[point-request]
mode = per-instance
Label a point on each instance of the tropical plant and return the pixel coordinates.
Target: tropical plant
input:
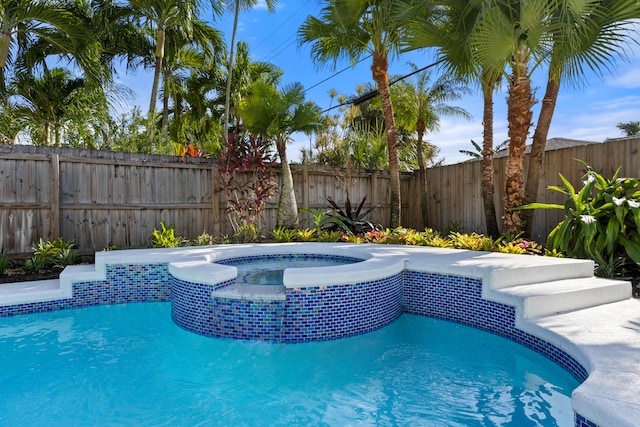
(56, 253)
(351, 220)
(307, 234)
(602, 220)
(319, 218)
(329, 236)
(5, 263)
(246, 179)
(236, 6)
(451, 30)
(473, 241)
(166, 237)
(52, 29)
(275, 115)
(65, 257)
(48, 102)
(190, 150)
(629, 128)
(167, 18)
(284, 235)
(418, 107)
(591, 33)
(353, 29)
(247, 233)
(204, 239)
(477, 149)
(34, 264)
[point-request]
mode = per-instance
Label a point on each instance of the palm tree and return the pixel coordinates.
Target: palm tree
(351, 29)
(450, 29)
(46, 102)
(165, 17)
(590, 33)
(509, 39)
(237, 6)
(419, 105)
(275, 115)
(245, 74)
(25, 22)
(629, 128)
(202, 51)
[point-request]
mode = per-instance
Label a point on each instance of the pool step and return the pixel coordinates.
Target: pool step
(562, 296)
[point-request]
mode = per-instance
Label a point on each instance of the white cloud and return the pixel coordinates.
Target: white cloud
(630, 79)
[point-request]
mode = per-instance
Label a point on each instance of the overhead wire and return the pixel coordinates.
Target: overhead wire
(370, 95)
(282, 24)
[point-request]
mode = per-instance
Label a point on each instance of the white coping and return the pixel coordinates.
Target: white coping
(605, 338)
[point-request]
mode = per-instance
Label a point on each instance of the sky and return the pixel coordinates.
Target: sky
(586, 112)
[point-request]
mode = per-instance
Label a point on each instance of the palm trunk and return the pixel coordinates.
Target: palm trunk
(487, 185)
(536, 159)
(422, 175)
(381, 77)
(5, 42)
(47, 134)
(519, 103)
(165, 106)
(156, 72)
(227, 96)
(287, 205)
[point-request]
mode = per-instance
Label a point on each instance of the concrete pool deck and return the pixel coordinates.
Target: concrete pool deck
(558, 300)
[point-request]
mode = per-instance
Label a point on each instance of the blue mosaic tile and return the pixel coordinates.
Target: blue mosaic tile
(458, 299)
(581, 421)
(123, 284)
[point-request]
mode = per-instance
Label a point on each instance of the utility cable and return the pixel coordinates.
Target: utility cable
(336, 73)
(285, 22)
(370, 95)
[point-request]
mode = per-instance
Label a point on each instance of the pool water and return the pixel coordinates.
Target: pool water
(269, 269)
(130, 365)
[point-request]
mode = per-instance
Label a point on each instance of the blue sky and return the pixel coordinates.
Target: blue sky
(589, 112)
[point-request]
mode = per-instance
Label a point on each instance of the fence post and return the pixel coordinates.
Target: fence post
(54, 221)
(215, 200)
(305, 187)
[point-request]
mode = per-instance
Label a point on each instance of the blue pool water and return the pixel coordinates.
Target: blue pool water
(130, 365)
(269, 269)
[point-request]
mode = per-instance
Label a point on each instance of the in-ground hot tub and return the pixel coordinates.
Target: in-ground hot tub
(269, 269)
(358, 294)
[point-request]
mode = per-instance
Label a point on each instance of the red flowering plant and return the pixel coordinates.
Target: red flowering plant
(248, 182)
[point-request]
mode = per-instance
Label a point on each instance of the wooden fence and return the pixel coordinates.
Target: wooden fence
(455, 196)
(100, 198)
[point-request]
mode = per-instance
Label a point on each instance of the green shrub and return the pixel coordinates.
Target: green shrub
(351, 220)
(602, 221)
(56, 253)
(5, 263)
(307, 235)
(205, 239)
(35, 264)
(65, 257)
(284, 235)
(329, 236)
(166, 237)
(247, 233)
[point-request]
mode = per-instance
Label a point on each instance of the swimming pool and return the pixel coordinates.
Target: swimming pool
(130, 365)
(552, 306)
